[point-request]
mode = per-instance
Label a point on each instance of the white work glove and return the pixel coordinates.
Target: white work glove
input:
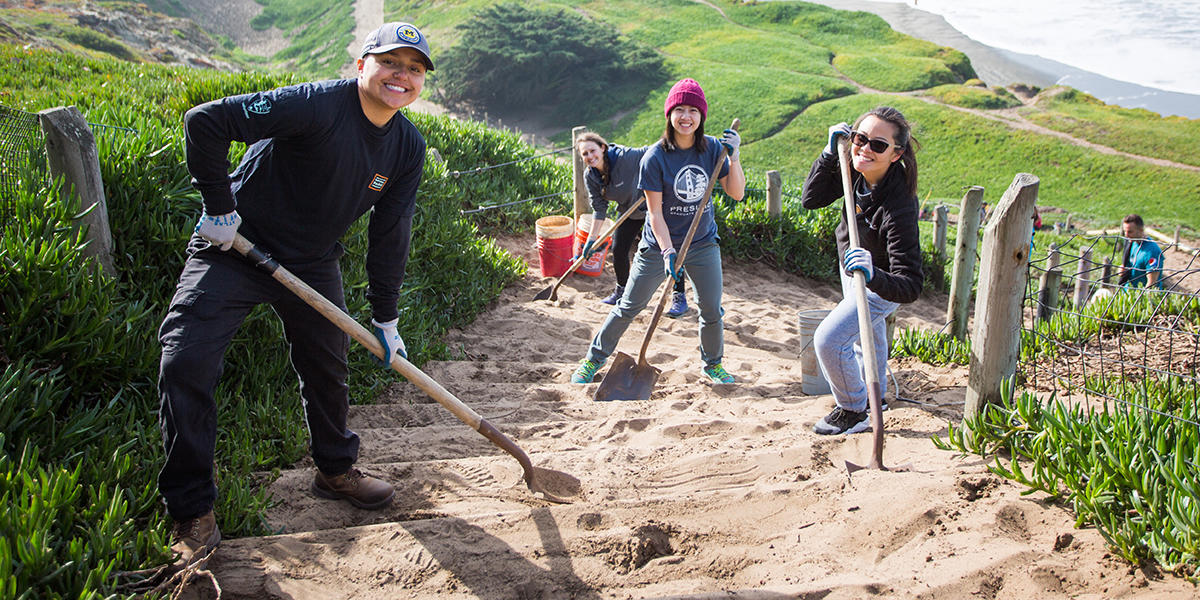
(390, 339)
(835, 132)
(859, 259)
(219, 229)
(732, 140)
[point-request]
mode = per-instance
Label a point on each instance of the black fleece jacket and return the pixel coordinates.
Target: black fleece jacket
(887, 225)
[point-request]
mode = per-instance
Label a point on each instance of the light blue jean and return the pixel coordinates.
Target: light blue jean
(839, 352)
(703, 267)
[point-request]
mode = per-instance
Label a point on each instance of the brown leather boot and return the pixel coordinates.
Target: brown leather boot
(355, 487)
(194, 539)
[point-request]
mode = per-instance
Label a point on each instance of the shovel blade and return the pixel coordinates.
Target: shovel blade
(554, 486)
(627, 380)
(547, 294)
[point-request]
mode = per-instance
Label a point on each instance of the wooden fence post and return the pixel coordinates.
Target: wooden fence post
(1082, 283)
(995, 341)
(577, 170)
(963, 275)
(71, 154)
(774, 194)
(940, 224)
(1048, 291)
(1054, 258)
(1106, 273)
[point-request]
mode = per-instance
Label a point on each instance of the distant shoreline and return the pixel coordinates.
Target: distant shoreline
(996, 66)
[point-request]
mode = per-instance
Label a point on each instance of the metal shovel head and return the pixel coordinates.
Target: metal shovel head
(546, 294)
(554, 486)
(851, 467)
(627, 380)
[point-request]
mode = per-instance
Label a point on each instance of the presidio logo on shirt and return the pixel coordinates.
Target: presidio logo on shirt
(378, 182)
(690, 183)
(261, 106)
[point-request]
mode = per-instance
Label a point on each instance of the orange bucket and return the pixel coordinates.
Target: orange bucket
(554, 245)
(593, 266)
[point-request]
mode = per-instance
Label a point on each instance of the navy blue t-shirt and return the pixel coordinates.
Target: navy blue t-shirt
(315, 165)
(682, 176)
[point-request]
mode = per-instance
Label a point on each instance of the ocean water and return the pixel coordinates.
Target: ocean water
(1151, 43)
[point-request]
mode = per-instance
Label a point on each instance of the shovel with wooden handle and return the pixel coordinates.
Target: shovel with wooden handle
(554, 486)
(551, 293)
(865, 338)
(628, 379)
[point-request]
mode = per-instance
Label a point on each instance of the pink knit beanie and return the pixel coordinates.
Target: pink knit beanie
(688, 92)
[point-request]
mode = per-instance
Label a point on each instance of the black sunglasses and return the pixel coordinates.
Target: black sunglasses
(877, 146)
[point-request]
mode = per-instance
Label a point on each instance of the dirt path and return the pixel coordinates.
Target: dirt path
(704, 491)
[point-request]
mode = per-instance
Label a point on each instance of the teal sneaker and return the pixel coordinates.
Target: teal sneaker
(718, 374)
(586, 371)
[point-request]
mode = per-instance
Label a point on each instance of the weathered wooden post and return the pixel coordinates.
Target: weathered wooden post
(1107, 271)
(71, 154)
(1082, 285)
(774, 194)
(940, 223)
(1054, 258)
(963, 275)
(577, 170)
(1067, 222)
(1003, 264)
(1048, 288)
(1177, 235)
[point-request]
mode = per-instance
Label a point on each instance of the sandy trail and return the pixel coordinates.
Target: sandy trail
(704, 491)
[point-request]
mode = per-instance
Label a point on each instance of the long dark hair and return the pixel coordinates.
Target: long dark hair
(904, 139)
(668, 137)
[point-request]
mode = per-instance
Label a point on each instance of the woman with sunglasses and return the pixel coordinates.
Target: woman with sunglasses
(674, 176)
(884, 177)
(611, 176)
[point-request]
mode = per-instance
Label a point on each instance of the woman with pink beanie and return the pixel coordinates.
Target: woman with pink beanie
(674, 176)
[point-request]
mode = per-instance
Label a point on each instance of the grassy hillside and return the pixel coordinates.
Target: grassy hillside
(790, 69)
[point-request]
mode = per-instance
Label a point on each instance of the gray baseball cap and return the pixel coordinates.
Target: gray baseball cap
(390, 36)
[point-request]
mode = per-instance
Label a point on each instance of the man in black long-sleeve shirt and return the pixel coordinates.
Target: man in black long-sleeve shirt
(321, 155)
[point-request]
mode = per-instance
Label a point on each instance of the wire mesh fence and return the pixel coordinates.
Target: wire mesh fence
(1092, 338)
(21, 152)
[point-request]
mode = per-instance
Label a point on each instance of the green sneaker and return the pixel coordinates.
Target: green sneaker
(718, 374)
(586, 371)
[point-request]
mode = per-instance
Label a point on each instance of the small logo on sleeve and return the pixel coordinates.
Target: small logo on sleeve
(261, 106)
(378, 182)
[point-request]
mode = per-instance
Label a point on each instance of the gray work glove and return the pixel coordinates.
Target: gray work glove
(219, 229)
(835, 132)
(389, 338)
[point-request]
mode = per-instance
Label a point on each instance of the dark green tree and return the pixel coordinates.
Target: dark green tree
(521, 61)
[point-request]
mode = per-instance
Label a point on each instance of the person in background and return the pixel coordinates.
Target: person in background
(675, 173)
(884, 178)
(321, 155)
(1142, 263)
(611, 177)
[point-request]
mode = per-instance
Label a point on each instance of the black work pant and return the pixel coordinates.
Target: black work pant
(625, 239)
(216, 291)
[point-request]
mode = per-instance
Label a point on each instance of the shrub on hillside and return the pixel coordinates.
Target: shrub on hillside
(521, 60)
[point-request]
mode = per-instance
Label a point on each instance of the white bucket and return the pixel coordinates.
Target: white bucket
(813, 382)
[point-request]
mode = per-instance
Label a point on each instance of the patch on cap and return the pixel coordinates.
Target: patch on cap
(408, 33)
